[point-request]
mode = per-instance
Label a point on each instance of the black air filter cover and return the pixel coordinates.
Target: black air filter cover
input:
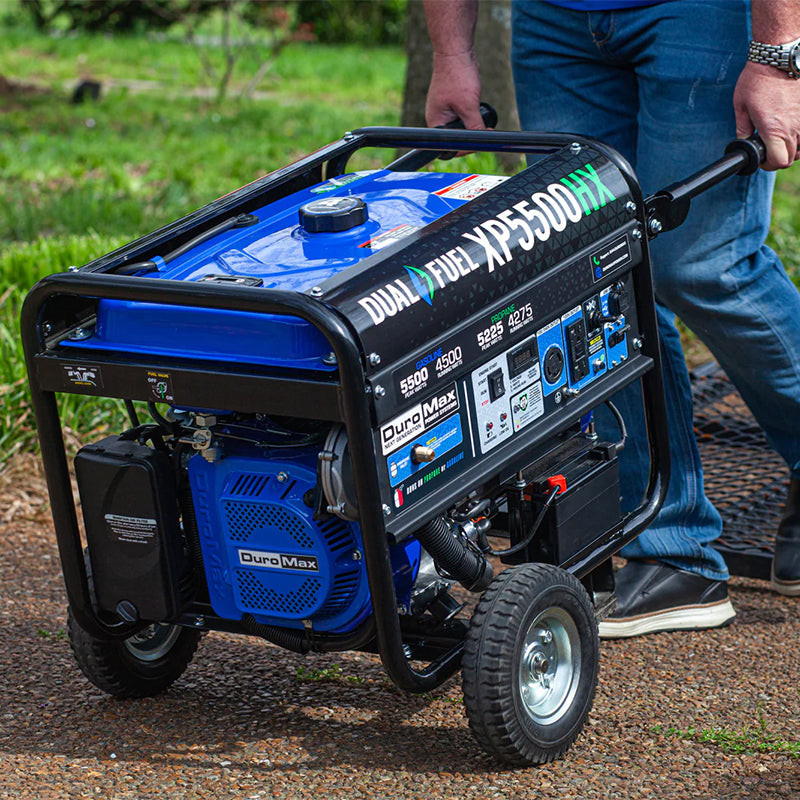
(136, 547)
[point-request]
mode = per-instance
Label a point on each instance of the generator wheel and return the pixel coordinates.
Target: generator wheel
(143, 665)
(530, 664)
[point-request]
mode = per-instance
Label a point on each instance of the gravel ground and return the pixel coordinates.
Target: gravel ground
(245, 722)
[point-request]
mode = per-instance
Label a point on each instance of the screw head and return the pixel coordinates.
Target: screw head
(47, 328)
(636, 233)
(282, 477)
(374, 359)
(558, 397)
(72, 268)
(387, 511)
(630, 207)
(315, 291)
(654, 226)
(637, 343)
(329, 359)
(79, 334)
(380, 391)
(575, 148)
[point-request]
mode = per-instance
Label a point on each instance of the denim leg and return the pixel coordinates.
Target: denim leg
(657, 84)
(715, 271)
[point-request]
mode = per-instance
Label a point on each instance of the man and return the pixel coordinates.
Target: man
(668, 83)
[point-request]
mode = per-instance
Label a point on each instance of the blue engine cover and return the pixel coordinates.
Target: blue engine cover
(265, 556)
(281, 254)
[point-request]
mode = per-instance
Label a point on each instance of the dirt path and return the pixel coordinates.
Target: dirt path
(250, 721)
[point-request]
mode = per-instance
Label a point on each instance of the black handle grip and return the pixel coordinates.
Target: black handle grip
(416, 159)
(752, 148)
(488, 114)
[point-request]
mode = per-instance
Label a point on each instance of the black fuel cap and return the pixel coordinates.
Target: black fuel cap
(331, 214)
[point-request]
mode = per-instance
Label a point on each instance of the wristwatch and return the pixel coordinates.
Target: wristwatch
(786, 57)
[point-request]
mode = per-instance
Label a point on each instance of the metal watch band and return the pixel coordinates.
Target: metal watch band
(774, 55)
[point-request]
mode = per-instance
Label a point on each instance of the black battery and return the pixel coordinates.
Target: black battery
(579, 514)
(139, 561)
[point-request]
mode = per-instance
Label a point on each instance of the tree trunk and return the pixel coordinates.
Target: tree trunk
(492, 46)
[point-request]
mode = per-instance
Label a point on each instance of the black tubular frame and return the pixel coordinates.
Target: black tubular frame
(352, 391)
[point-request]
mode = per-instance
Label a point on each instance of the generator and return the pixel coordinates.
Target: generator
(369, 398)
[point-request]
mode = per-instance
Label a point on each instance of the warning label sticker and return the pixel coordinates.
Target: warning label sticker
(471, 186)
(137, 530)
(390, 237)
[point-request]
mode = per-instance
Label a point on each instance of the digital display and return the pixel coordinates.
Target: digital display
(521, 359)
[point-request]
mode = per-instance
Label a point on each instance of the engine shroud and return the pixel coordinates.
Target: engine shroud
(265, 555)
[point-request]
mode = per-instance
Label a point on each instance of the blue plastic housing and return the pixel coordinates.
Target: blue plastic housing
(284, 256)
(264, 555)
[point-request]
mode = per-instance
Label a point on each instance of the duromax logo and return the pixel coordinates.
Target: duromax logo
(494, 242)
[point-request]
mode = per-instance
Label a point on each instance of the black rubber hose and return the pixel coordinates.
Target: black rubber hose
(469, 567)
(296, 641)
(186, 504)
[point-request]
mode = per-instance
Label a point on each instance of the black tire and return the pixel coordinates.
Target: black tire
(530, 664)
(142, 666)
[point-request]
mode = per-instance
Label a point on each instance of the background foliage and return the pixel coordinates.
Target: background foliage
(78, 180)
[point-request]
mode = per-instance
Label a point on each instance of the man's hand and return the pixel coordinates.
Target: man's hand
(768, 101)
(455, 91)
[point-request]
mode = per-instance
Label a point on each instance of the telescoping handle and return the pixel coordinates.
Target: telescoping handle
(416, 159)
(667, 208)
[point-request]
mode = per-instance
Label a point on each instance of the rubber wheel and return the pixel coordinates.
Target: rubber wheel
(144, 665)
(530, 664)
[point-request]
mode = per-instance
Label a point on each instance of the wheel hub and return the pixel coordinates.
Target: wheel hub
(153, 642)
(550, 666)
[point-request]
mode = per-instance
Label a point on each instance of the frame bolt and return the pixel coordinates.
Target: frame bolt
(654, 226)
(79, 334)
(387, 511)
(575, 148)
(315, 291)
(637, 343)
(380, 391)
(630, 207)
(72, 268)
(374, 359)
(636, 233)
(199, 622)
(329, 359)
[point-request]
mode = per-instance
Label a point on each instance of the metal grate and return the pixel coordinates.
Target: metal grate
(744, 477)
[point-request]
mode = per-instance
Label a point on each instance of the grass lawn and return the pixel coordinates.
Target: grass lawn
(79, 180)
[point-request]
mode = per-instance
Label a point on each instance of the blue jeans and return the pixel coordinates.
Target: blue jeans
(657, 83)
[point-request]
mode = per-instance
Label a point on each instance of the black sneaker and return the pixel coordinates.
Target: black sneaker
(786, 559)
(653, 597)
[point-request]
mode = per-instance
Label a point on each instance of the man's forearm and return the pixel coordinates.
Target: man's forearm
(451, 25)
(775, 21)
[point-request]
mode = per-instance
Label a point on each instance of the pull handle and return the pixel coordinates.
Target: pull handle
(667, 208)
(416, 159)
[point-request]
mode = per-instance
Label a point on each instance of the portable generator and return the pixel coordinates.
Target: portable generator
(358, 383)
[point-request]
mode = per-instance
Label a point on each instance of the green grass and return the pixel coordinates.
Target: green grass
(749, 740)
(77, 181)
(332, 674)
